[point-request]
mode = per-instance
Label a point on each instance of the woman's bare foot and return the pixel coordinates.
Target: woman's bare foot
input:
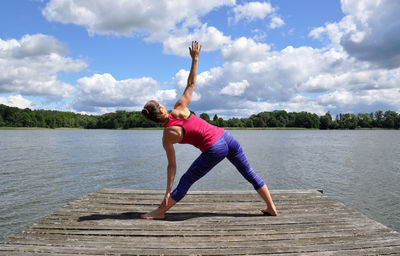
(270, 212)
(157, 214)
(264, 193)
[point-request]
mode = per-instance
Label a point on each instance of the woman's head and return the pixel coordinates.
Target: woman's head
(154, 111)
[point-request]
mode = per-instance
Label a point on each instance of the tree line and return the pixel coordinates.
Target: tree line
(16, 117)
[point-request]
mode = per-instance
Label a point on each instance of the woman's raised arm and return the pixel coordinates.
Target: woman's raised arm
(186, 98)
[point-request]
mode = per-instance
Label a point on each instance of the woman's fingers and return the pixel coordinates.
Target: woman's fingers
(195, 46)
(195, 49)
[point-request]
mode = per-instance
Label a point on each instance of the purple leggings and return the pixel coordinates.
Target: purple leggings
(225, 146)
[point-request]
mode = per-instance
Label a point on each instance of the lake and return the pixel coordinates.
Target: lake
(41, 170)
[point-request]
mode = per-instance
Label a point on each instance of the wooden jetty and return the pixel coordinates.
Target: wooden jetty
(204, 223)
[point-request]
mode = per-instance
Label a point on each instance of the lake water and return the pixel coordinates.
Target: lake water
(41, 170)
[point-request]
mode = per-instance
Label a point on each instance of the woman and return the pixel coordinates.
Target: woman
(180, 126)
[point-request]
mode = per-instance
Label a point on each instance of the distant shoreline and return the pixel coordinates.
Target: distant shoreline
(266, 120)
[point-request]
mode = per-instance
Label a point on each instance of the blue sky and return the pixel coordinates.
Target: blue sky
(98, 56)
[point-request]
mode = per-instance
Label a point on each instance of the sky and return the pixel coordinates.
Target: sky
(99, 56)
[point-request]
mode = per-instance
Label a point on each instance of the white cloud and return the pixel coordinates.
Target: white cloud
(235, 88)
(301, 103)
(276, 75)
(102, 92)
(32, 45)
(30, 66)
(210, 38)
(356, 80)
(336, 97)
(245, 50)
(174, 23)
(181, 77)
(369, 31)
(292, 79)
(128, 17)
(276, 22)
(17, 101)
(365, 101)
(257, 10)
(252, 10)
(259, 35)
(203, 79)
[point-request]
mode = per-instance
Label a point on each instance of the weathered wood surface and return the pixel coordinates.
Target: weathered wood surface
(204, 223)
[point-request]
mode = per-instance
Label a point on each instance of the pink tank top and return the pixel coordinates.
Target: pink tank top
(197, 131)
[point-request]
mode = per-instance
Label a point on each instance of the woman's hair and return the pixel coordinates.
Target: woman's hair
(152, 111)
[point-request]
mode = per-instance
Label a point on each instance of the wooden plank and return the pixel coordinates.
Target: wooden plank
(205, 222)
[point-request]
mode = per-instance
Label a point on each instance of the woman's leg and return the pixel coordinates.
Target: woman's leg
(238, 158)
(266, 196)
(200, 167)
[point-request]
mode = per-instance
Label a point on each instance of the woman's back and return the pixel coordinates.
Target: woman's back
(197, 131)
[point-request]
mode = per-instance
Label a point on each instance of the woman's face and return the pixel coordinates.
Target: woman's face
(163, 110)
(161, 107)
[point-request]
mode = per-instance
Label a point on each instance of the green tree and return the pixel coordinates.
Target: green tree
(273, 122)
(221, 122)
(121, 119)
(247, 122)
(261, 119)
(325, 121)
(348, 121)
(26, 120)
(51, 122)
(390, 119)
(215, 120)
(234, 122)
(291, 120)
(258, 120)
(12, 116)
(334, 125)
(364, 120)
(378, 119)
(205, 117)
(303, 120)
(281, 117)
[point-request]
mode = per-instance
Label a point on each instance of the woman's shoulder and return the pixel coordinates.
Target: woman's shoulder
(181, 113)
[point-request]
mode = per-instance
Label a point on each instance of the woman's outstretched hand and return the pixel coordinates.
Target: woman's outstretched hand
(195, 50)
